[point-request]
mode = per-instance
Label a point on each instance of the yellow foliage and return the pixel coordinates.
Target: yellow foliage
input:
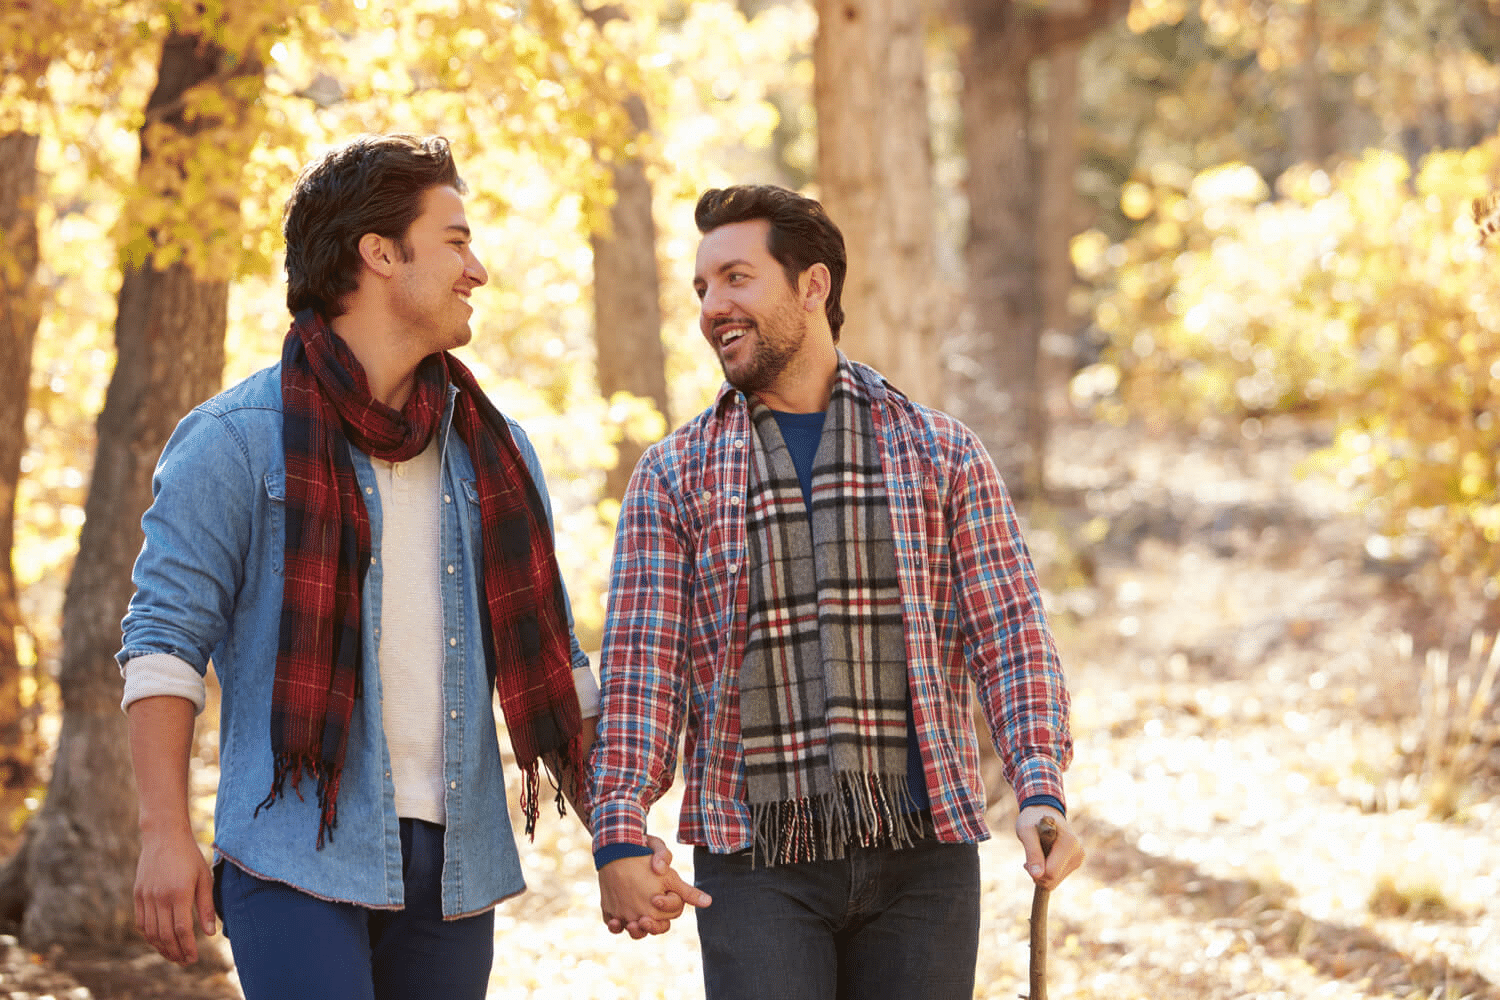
(1362, 297)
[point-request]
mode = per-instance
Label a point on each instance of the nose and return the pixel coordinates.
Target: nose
(714, 304)
(475, 271)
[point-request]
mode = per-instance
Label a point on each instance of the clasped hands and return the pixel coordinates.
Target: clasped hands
(643, 895)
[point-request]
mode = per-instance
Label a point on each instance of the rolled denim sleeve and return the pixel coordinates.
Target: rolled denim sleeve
(197, 533)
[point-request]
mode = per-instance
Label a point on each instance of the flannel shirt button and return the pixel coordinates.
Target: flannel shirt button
(733, 568)
(734, 501)
(739, 442)
(452, 642)
(708, 494)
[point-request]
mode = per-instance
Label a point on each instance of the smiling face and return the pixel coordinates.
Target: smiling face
(436, 272)
(751, 316)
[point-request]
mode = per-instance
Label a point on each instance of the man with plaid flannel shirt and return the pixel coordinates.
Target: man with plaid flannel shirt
(809, 575)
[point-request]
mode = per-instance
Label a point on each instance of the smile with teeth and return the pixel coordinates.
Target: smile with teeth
(728, 334)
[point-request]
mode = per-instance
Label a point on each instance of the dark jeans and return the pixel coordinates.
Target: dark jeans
(879, 923)
(291, 946)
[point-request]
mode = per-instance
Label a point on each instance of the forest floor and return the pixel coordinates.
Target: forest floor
(1247, 710)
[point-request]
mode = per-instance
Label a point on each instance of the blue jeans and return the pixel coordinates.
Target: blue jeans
(291, 946)
(878, 923)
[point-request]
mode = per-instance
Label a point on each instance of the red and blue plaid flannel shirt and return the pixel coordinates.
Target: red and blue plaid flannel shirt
(675, 629)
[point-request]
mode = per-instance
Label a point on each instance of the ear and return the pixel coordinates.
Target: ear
(378, 254)
(816, 283)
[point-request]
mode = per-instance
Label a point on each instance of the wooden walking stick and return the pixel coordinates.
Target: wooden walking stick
(1047, 830)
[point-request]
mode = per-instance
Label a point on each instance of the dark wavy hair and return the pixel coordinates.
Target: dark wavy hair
(370, 184)
(801, 234)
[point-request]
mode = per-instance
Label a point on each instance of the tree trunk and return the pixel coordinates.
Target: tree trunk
(875, 176)
(1058, 224)
(76, 868)
(1310, 133)
(20, 313)
(627, 304)
(996, 390)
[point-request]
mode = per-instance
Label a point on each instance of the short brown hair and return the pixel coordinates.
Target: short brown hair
(371, 184)
(801, 233)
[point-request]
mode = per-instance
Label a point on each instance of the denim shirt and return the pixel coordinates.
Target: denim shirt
(209, 586)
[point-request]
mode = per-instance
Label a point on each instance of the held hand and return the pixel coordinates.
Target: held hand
(679, 892)
(635, 899)
(173, 885)
(1067, 853)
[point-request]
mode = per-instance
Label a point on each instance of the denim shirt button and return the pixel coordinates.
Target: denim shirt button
(447, 498)
(452, 713)
(452, 641)
(452, 784)
(450, 569)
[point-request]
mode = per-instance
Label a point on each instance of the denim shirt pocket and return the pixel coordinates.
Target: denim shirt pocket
(276, 519)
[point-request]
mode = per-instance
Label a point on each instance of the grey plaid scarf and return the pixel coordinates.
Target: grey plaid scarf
(823, 690)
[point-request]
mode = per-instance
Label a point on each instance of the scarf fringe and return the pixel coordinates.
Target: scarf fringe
(293, 766)
(863, 810)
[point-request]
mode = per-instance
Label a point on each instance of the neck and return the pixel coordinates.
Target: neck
(806, 385)
(389, 369)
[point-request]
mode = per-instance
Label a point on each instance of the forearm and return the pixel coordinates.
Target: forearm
(161, 738)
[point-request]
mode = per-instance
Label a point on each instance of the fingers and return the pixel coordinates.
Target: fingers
(669, 903)
(206, 916)
(1031, 843)
(1066, 858)
(689, 894)
(661, 857)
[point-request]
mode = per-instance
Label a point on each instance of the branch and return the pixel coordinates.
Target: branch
(1058, 30)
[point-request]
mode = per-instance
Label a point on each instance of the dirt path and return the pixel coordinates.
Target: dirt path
(1241, 701)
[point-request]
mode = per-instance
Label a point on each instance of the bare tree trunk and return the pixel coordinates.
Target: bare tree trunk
(1058, 224)
(997, 392)
(1310, 134)
(20, 314)
(627, 304)
(73, 876)
(996, 378)
(875, 175)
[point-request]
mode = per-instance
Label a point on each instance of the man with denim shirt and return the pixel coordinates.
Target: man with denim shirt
(811, 574)
(362, 544)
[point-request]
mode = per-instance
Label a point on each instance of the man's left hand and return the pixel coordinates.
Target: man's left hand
(1067, 852)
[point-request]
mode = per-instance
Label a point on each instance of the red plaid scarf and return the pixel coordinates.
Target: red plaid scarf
(327, 406)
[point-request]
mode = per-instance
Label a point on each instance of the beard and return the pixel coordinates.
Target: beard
(777, 342)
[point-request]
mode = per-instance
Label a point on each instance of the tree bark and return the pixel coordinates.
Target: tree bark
(1057, 225)
(996, 379)
(627, 304)
(875, 177)
(20, 314)
(1310, 133)
(997, 391)
(76, 867)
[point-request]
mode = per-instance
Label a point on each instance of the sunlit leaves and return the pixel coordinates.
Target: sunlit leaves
(1360, 296)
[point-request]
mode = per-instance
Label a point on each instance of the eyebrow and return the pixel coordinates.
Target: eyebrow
(456, 227)
(727, 265)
